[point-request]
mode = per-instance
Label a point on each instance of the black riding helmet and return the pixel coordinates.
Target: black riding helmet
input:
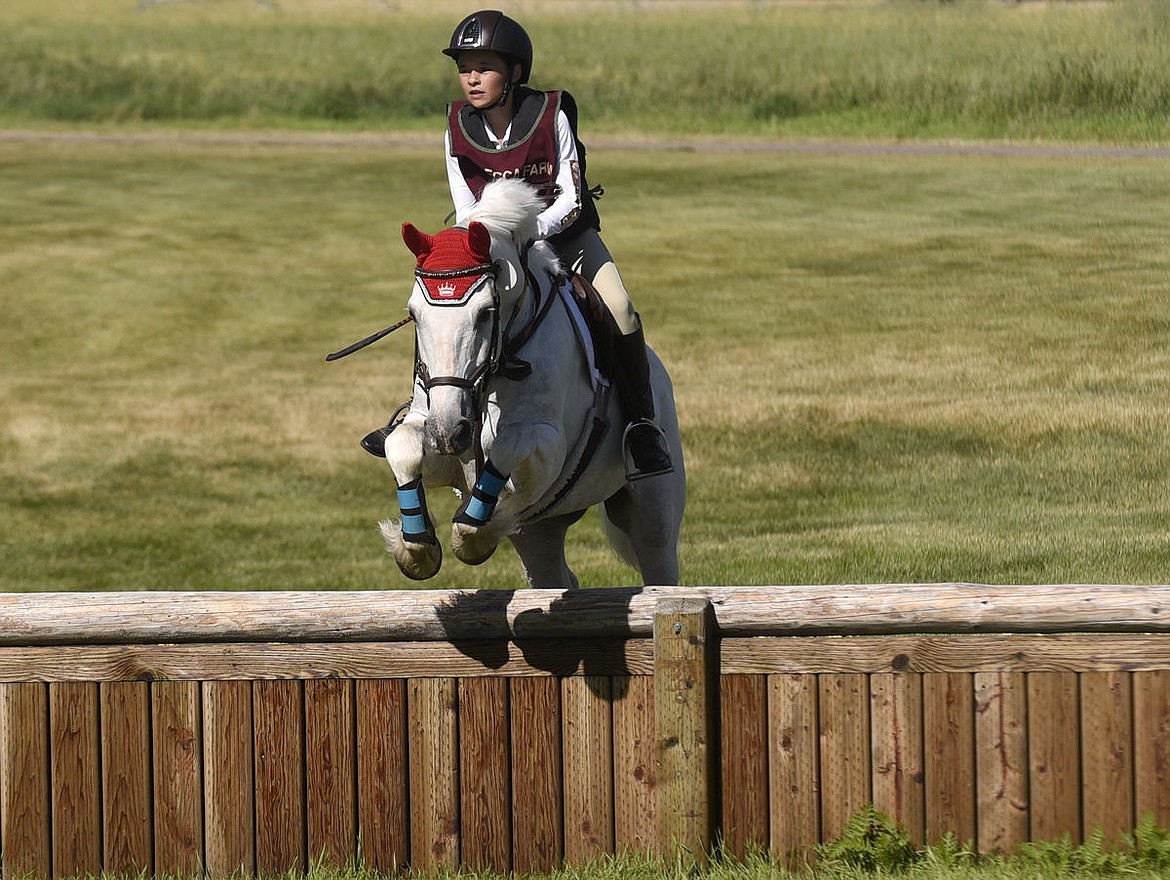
(490, 29)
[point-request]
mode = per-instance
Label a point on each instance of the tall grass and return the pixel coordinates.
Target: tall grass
(904, 68)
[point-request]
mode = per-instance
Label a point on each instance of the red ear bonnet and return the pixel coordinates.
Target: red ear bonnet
(420, 243)
(451, 263)
(451, 249)
(479, 241)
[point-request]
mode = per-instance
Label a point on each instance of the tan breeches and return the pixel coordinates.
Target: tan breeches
(588, 255)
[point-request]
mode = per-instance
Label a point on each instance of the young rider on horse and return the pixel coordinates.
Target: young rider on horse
(505, 129)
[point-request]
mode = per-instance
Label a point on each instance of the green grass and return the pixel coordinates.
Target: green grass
(874, 846)
(898, 69)
(888, 368)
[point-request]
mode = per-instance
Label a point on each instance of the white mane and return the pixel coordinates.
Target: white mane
(508, 208)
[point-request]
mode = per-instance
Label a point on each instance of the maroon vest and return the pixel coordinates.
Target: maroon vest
(530, 153)
(531, 150)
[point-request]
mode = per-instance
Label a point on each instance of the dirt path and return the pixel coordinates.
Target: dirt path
(698, 145)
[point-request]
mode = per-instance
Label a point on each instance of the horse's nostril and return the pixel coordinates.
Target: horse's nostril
(453, 442)
(461, 439)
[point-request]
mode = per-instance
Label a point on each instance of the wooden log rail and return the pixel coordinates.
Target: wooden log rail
(220, 732)
(447, 615)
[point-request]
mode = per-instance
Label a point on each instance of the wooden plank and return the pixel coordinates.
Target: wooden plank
(1054, 726)
(686, 699)
(126, 783)
(1107, 753)
(896, 717)
(794, 767)
(1025, 652)
(485, 785)
(587, 765)
(228, 792)
(763, 655)
(383, 804)
(537, 788)
(1151, 716)
(433, 717)
(845, 750)
(278, 718)
(743, 708)
(949, 743)
(635, 768)
(177, 725)
(24, 780)
(330, 772)
(1001, 750)
(75, 778)
(425, 615)
(229, 662)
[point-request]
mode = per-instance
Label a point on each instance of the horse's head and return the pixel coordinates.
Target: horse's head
(468, 284)
(456, 316)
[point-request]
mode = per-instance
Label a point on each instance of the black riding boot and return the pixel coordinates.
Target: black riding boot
(375, 441)
(645, 444)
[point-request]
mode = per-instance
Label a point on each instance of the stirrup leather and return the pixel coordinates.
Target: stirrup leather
(632, 472)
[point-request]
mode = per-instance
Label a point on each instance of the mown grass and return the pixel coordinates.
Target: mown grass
(899, 69)
(889, 368)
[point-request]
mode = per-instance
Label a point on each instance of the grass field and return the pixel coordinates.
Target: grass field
(888, 368)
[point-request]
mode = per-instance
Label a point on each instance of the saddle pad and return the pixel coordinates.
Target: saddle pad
(583, 332)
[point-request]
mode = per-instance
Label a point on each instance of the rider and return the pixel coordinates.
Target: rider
(505, 129)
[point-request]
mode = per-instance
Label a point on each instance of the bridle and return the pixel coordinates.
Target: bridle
(464, 283)
(453, 288)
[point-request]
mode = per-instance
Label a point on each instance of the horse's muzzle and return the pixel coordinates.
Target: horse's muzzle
(455, 441)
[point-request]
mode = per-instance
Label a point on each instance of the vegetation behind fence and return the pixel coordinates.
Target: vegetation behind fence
(897, 69)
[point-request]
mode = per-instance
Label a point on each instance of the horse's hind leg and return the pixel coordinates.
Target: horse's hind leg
(642, 522)
(541, 546)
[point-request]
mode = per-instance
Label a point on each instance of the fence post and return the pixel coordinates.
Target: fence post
(686, 711)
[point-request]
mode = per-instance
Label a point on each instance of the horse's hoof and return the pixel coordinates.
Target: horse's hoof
(470, 546)
(421, 569)
(417, 561)
(476, 560)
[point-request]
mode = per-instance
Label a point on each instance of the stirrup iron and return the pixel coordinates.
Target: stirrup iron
(633, 474)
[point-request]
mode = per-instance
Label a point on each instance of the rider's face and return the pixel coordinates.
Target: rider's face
(482, 76)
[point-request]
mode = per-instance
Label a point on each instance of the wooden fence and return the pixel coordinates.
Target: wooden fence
(179, 733)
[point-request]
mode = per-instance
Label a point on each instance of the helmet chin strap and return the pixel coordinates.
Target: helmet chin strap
(508, 85)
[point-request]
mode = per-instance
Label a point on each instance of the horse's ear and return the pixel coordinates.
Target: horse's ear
(480, 241)
(419, 242)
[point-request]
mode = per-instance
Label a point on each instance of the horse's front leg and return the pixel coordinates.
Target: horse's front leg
(411, 541)
(522, 466)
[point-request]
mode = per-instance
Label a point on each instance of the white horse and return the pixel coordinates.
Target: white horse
(510, 410)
